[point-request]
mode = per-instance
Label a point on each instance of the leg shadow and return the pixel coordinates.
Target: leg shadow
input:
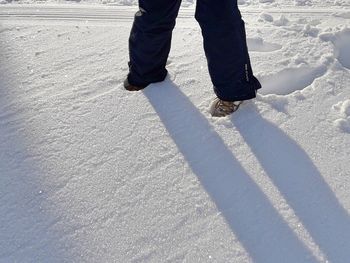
(299, 181)
(26, 233)
(253, 219)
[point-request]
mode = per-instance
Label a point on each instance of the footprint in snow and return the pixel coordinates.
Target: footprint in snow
(289, 80)
(258, 44)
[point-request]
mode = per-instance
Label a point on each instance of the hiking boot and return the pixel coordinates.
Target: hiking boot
(221, 108)
(130, 87)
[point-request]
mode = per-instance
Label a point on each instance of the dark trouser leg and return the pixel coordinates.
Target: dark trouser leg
(150, 40)
(226, 49)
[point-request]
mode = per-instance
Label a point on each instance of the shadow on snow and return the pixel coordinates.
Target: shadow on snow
(250, 215)
(299, 181)
(26, 227)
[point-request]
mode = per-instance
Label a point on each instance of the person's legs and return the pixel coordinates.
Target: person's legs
(150, 41)
(226, 50)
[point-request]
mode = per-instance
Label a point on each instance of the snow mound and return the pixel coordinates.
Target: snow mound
(282, 21)
(342, 45)
(343, 108)
(341, 41)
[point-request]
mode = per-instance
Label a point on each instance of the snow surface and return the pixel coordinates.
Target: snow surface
(92, 173)
(191, 3)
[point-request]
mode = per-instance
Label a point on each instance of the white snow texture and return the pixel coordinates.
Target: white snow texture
(92, 173)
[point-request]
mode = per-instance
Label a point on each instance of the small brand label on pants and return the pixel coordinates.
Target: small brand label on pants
(246, 72)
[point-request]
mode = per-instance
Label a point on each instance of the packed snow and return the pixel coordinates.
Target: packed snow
(92, 173)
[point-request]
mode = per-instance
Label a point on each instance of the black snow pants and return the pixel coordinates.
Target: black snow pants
(224, 45)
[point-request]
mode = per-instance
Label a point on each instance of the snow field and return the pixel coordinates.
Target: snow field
(94, 173)
(191, 3)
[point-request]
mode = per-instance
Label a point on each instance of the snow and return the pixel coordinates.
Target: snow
(343, 108)
(191, 3)
(92, 173)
